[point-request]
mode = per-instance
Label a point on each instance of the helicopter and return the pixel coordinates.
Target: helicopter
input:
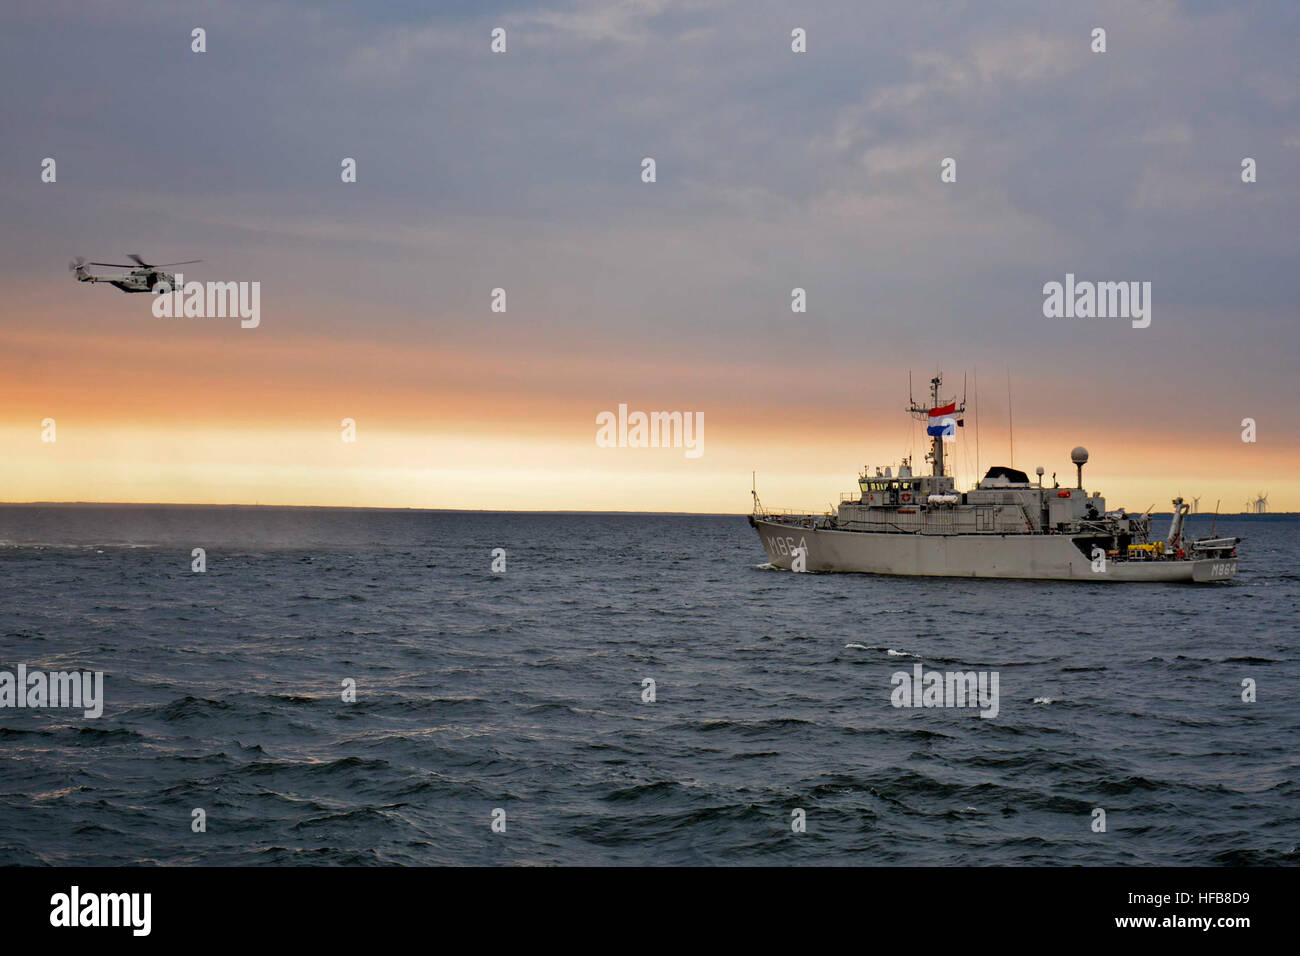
(143, 277)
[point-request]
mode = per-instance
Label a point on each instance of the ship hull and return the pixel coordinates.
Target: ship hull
(1049, 557)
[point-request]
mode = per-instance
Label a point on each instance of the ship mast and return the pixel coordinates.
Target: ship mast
(935, 455)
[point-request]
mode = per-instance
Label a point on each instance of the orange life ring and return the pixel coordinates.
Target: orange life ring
(906, 496)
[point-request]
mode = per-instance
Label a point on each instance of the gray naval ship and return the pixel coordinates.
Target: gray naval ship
(1005, 527)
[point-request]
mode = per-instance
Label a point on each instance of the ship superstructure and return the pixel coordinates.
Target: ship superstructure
(1007, 526)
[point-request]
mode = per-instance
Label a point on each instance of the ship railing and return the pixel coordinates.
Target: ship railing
(879, 527)
(791, 517)
(1096, 527)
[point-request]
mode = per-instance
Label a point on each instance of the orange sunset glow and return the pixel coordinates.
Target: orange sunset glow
(203, 417)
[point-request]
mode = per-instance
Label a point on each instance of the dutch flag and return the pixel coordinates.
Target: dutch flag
(943, 421)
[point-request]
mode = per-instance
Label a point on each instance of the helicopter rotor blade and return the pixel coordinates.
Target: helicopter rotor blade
(76, 263)
(135, 257)
(185, 263)
(115, 265)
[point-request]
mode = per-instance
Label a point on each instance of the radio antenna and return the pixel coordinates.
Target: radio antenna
(1011, 428)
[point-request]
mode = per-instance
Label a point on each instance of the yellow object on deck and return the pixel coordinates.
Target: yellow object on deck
(1155, 548)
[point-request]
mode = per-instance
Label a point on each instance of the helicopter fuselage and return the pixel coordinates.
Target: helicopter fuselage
(140, 280)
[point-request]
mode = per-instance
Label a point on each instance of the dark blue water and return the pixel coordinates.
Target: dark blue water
(523, 691)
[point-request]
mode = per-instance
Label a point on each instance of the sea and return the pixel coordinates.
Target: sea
(397, 687)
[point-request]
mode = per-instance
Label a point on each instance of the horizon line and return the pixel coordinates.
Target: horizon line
(504, 511)
(499, 511)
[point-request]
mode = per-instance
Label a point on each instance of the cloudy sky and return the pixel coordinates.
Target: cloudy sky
(522, 171)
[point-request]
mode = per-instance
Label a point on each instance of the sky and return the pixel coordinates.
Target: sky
(522, 171)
